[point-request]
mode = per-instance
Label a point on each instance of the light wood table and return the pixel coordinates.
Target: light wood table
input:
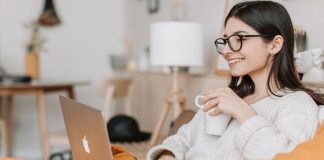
(317, 86)
(314, 84)
(38, 89)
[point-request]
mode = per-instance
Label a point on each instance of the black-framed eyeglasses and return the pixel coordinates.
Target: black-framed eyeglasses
(234, 41)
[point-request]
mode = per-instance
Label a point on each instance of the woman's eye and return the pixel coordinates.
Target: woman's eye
(243, 38)
(238, 39)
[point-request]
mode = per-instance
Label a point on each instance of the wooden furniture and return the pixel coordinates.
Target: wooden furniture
(38, 89)
(315, 85)
(184, 117)
(116, 88)
(175, 99)
(121, 89)
(2, 134)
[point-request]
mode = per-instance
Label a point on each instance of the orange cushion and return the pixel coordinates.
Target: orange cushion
(312, 149)
(121, 153)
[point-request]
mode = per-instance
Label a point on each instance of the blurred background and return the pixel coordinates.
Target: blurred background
(80, 49)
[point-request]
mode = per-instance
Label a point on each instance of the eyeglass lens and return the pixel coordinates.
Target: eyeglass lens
(234, 43)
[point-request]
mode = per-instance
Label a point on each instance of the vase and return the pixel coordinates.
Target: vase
(32, 67)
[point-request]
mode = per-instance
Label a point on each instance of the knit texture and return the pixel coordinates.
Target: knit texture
(280, 124)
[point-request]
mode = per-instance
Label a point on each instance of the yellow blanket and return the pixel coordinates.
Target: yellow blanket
(121, 153)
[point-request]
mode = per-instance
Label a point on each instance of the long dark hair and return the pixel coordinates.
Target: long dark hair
(270, 18)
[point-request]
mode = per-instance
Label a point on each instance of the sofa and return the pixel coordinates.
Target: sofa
(321, 113)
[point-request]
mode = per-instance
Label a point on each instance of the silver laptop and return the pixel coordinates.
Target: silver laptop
(86, 131)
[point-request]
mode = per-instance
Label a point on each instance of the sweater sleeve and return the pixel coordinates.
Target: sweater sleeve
(179, 143)
(296, 122)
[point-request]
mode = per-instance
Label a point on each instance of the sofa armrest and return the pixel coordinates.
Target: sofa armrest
(321, 113)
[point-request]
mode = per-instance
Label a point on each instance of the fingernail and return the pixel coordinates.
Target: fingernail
(204, 108)
(201, 101)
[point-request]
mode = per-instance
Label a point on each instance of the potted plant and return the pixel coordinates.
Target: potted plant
(33, 47)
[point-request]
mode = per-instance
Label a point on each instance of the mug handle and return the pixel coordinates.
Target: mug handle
(197, 101)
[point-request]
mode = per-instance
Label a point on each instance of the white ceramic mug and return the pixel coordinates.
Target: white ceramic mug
(215, 125)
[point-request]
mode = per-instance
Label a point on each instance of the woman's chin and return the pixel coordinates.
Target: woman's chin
(235, 73)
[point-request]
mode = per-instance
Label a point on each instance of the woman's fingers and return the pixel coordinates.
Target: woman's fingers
(211, 107)
(212, 91)
(210, 96)
(215, 111)
(210, 104)
(216, 93)
(167, 157)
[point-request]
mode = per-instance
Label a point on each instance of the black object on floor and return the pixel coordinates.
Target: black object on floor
(123, 128)
(64, 155)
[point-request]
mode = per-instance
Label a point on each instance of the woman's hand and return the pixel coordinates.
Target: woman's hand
(224, 100)
(167, 157)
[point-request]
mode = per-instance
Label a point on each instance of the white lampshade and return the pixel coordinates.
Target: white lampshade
(176, 44)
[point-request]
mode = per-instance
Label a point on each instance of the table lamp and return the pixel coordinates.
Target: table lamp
(174, 44)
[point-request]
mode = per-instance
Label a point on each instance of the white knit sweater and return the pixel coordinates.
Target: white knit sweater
(280, 124)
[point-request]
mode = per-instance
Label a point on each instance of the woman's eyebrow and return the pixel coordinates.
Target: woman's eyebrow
(237, 32)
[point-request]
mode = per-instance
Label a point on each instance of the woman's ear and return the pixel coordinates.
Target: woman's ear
(276, 44)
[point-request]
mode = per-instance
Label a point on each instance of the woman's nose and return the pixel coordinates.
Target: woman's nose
(226, 50)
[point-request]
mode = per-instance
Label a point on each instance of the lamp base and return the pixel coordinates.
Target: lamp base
(174, 98)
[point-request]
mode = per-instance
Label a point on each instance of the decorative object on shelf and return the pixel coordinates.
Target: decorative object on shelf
(130, 55)
(118, 62)
(174, 44)
(178, 10)
(32, 64)
(143, 60)
(35, 44)
(316, 73)
(49, 16)
(303, 62)
(300, 39)
(153, 6)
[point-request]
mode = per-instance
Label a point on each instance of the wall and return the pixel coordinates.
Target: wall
(75, 50)
(308, 16)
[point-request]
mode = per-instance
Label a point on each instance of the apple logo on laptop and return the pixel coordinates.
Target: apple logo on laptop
(86, 144)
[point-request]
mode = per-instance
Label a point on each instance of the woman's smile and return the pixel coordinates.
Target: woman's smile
(234, 61)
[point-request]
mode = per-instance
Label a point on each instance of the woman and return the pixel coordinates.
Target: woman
(271, 110)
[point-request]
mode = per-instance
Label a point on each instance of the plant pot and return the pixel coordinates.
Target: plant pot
(32, 67)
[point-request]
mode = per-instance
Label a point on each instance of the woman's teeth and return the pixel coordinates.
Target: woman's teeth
(235, 60)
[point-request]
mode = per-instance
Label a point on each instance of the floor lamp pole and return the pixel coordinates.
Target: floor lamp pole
(174, 98)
